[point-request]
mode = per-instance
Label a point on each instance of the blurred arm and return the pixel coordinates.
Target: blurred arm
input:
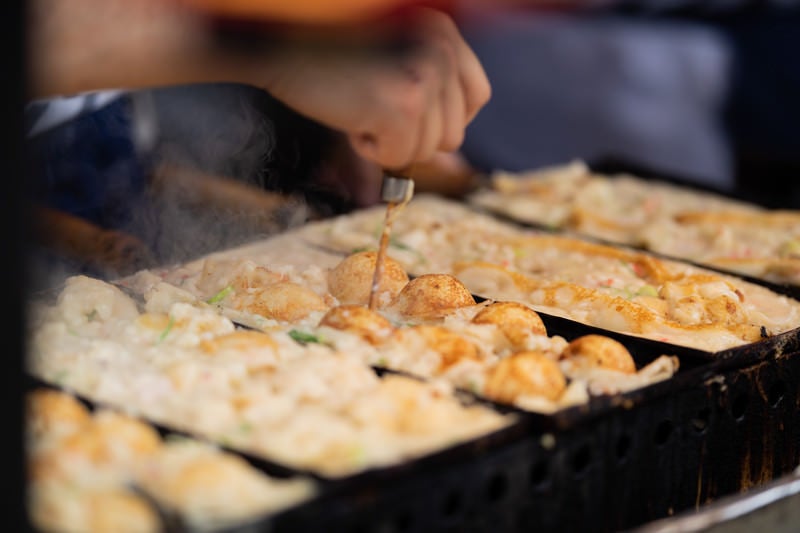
(396, 104)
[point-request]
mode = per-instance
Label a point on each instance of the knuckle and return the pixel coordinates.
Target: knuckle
(478, 96)
(484, 91)
(397, 159)
(453, 140)
(409, 102)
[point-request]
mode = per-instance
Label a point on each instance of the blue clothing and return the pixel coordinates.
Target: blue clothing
(83, 158)
(594, 87)
(44, 114)
(705, 91)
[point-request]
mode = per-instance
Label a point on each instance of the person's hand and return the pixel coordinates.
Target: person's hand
(358, 180)
(397, 108)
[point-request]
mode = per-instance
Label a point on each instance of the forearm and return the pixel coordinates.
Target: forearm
(82, 45)
(396, 105)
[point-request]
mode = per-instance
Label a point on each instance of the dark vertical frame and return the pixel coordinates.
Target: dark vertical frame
(14, 239)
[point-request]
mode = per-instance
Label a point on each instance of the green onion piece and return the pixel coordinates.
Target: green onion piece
(304, 338)
(399, 244)
(519, 252)
(166, 330)
(628, 266)
(176, 438)
(360, 249)
(647, 290)
(60, 377)
(221, 295)
(622, 293)
(403, 246)
(790, 248)
(358, 454)
(92, 315)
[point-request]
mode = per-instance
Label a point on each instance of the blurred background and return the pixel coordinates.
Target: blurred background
(705, 91)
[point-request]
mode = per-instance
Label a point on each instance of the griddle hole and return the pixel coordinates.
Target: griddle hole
(623, 447)
(497, 487)
(739, 406)
(663, 432)
(581, 460)
(452, 503)
(700, 421)
(776, 393)
(538, 474)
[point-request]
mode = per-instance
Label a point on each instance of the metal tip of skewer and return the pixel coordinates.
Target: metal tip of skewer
(396, 189)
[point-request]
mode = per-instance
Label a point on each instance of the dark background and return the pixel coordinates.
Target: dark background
(14, 229)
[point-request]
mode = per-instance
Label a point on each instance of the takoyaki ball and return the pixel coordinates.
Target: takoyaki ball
(359, 320)
(51, 413)
(255, 277)
(600, 351)
(240, 274)
(195, 481)
(239, 341)
(525, 374)
(432, 296)
(120, 510)
(451, 347)
(110, 440)
(351, 280)
(63, 507)
(517, 321)
(284, 301)
(114, 438)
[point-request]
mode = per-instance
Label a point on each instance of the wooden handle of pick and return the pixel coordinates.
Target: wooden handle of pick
(447, 173)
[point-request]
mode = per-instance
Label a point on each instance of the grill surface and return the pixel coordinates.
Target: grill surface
(716, 428)
(725, 423)
(675, 452)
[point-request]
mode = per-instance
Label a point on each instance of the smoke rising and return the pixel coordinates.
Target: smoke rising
(221, 157)
(186, 170)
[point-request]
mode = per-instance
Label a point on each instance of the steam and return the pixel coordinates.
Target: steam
(184, 171)
(208, 136)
